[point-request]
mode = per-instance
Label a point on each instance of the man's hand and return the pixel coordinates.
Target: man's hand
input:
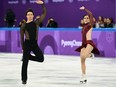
(39, 2)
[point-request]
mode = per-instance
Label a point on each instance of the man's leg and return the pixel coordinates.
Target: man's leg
(26, 54)
(39, 57)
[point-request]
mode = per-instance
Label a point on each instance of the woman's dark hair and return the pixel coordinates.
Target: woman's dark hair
(86, 15)
(29, 10)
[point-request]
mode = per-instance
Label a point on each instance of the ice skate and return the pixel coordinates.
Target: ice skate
(83, 80)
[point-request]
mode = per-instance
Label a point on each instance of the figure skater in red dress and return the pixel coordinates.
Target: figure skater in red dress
(88, 48)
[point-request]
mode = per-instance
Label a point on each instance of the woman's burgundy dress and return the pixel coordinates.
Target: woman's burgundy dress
(85, 29)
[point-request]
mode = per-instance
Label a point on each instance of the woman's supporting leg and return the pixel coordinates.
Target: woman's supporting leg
(85, 52)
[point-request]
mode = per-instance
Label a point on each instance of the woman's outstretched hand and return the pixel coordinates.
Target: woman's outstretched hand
(39, 2)
(82, 8)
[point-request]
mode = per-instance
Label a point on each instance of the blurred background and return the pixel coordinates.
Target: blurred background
(63, 35)
(65, 12)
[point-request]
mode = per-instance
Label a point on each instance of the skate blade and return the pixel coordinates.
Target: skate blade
(85, 81)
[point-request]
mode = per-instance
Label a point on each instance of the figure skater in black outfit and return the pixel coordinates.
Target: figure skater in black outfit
(30, 31)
